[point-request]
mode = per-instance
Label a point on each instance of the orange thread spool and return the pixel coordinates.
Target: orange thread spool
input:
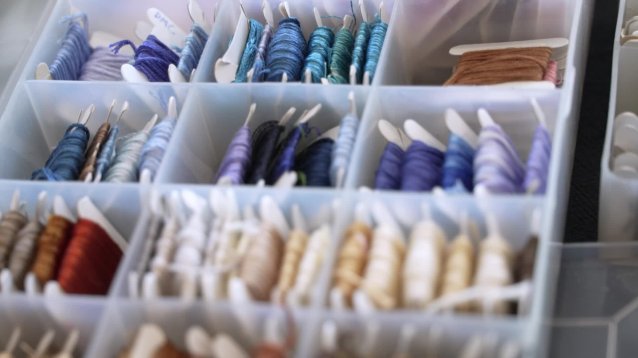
(52, 245)
(90, 261)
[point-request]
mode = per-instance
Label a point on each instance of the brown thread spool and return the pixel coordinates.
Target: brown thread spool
(527, 259)
(259, 267)
(352, 259)
(94, 149)
(168, 350)
(459, 265)
(500, 66)
(23, 252)
(11, 224)
(51, 248)
(295, 248)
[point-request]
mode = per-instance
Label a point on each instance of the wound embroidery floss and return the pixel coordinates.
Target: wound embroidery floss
(285, 161)
(313, 164)
(352, 260)
(286, 52)
(264, 146)
(382, 281)
(458, 165)
(259, 72)
(538, 162)
(260, 265)
(250, 51)
(490, 67)
(52, 245)
(66, 160)
(359, 53)
(155, 147)
(125, 163)
(11, 223)
(105, 158)
(342, 150)
(73, 53)
(90, 261)
(319, 49)
(295, 248)
(422, 167)
(94, 149)
(459, 267)
(23, 251)
(103, 65)
(388, 175)
(192, 52)
(341, 57)
(152, 58)
(236, 162)
(494, 267)
(375, 45)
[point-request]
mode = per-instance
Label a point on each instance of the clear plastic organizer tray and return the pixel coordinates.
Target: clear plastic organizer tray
(414, 54)
(619, 195)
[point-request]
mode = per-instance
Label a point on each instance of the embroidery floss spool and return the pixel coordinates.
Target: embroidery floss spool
(260, 265)
(105, 158)
(155, 147)
(192, 52)
(527, 259)
(23, 251)
(496, 164)
(388, 175)
(539, 155)
(286, 52)
(341, 56)
(51, 248)
(490, 67)
(264, 146)
(343, 147)
(66, 160)
(90, 261)
(11, 223)
(129, 150)
(295, 248)
(319, 48)
(310, 264)
(250, 51)
(73, 53)
(458, 165)
(352, 260)
(103, 65)
(459, 266)
(375, 45)
(259, 72)
(237, 159)
(285, 161)
(360, 50)
(96, 145)
(494, 267)
(422, 167)
(381, 281)
(423, 264)
(313, 163)
(152, 58)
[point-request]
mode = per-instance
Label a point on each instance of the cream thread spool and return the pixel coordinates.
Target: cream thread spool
(381, 281)
(310, 264)
(295, 248)
(494, 268)
(259, 267)
(423, 265)
(352, 260)
(459, 266)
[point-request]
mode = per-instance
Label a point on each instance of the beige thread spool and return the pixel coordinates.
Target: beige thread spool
(311, 261)
(295, 248)
(24, 251)
(259, 266)
(459, 266)
(12, 222)
(494, 268)
(382, 281)
(352, 259)
(423, 265)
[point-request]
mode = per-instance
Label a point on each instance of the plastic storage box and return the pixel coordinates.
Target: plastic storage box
(413, 63)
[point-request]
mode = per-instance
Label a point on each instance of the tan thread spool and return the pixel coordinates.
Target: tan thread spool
(11, 224)
(24, 251)
(352, 259)
(490, 67)
(51, 247)
(260, 265)
(94, 149)
(382, 281)
(459, 266)
(295, 248)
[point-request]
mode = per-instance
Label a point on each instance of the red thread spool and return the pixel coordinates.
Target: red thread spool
(90, 261)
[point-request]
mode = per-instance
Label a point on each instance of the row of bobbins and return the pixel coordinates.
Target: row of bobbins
(62, 255)
(415, 160)
(264, 53)
(276, 155)
(216, 251)
(163, 56)
(376, 270)
(109, 157)
(44, 347)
